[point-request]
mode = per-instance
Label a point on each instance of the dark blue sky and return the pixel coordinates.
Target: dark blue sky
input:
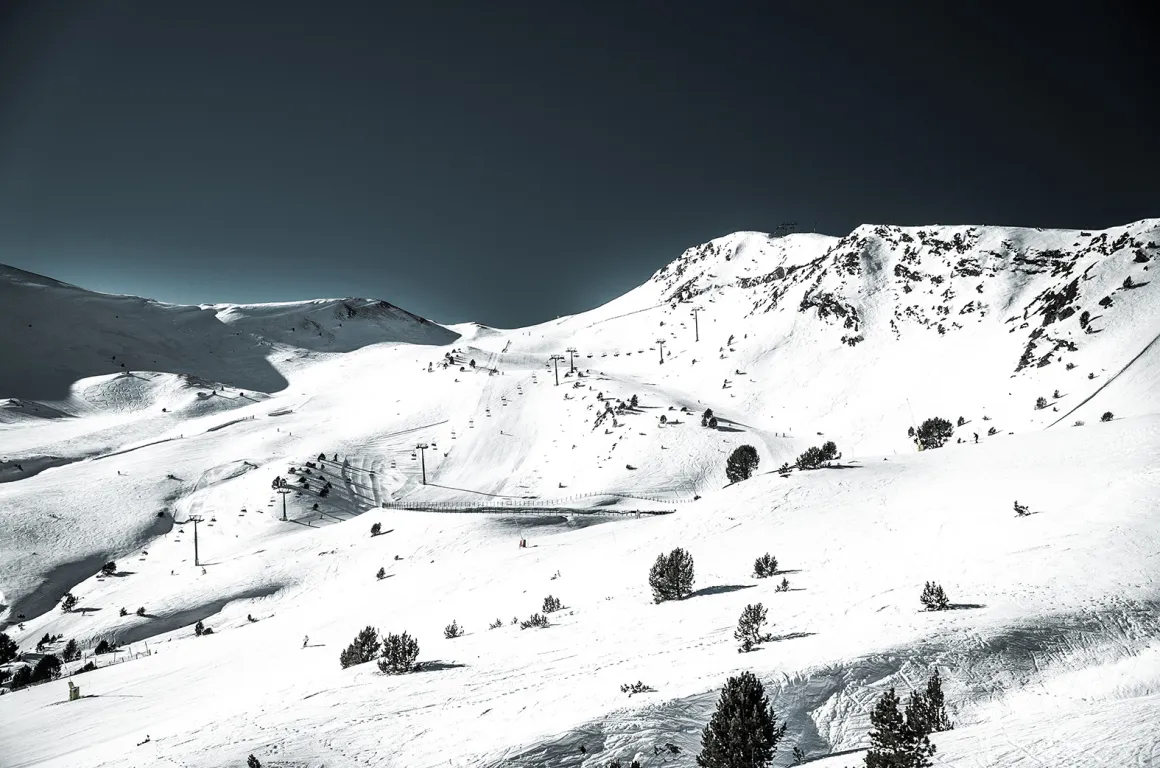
(508, 162)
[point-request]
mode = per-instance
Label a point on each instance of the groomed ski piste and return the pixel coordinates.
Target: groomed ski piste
(121, 418)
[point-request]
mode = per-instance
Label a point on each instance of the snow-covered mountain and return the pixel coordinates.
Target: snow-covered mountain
(120, 415)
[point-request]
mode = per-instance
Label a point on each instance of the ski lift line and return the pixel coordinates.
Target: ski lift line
(628, 314)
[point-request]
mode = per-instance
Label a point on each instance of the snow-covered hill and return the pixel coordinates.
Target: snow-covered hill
(797, 340)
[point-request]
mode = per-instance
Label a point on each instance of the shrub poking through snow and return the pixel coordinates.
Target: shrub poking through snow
(1079, 423)
(671, 576)
(536, 620)
(894, 742)
(109, 568)
(376, 529)
(1107, 416)
(992, 432)
(552, 604)
(765, 566)
(1040, 403)
(743, 731)
(783, 586)
(784, 469)
(960, 423)
(741, 463)
(637, 687)
(365, 647)
(799, 757)
(749, 626)
(934, 598)
(399, 654)
(495, 624)
(106, 647)
(934, 433)
(453, 630)
(199, 629)
(382, 574)
(141, 611)
(253, 762)
(68, 602)
(124, 612)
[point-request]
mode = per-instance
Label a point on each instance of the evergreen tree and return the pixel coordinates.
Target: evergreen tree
(671, 576)
(742, 732)
(934, 598)
(741, 463)
(48, 668)
(21, 678)
(765, 566)
(632, 402)
(253, 762)
(362, 649)
(934, 433)
(926, 712)
(109, 568)
(68, 602)
(749, 627)
(829, 451)
(399, 654)
(382, 574)
(8, 648)
(198, 629)
(895, 742)
(71, 651)
(376, 529)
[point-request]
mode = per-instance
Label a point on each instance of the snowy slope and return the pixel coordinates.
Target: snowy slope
(840, 339)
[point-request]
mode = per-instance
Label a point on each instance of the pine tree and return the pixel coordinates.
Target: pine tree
(741, 463)
(68, 602)
(671, 576)
(765, 566)
(109, 568)
(895, 742)
(934, 433)
(362, 649)
(253, 762)
(399, 654)
(198, 629)
(8, 648)
(934, 598)
(382, 574)
(71, 651)
(742, 732)
(749, 627)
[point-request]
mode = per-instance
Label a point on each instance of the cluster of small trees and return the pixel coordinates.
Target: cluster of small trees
(200, 629)
(708, 419)
(815, 457)
(933, 433)
(901, 739)
(396, 654)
